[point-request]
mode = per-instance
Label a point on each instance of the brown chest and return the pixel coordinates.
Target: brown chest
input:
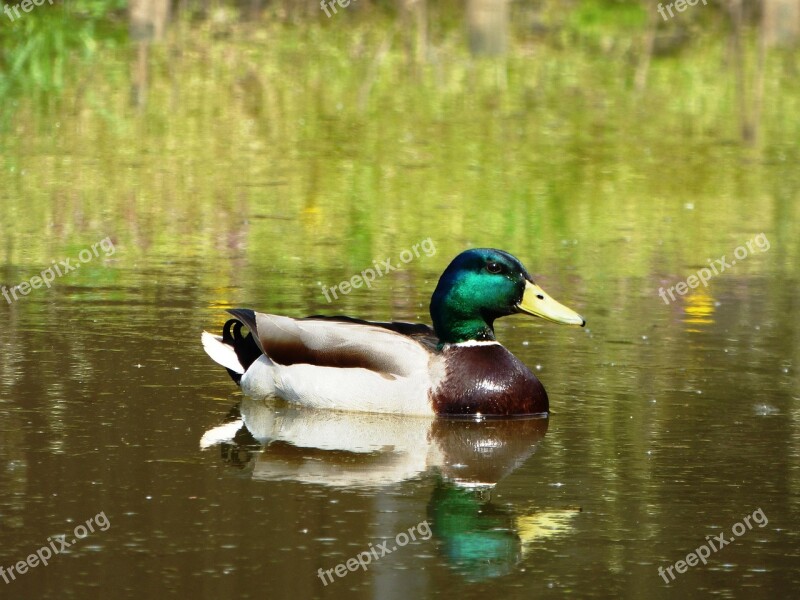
(487, 379)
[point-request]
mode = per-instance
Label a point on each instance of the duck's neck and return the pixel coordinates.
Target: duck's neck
(454, 328)
(459, 309)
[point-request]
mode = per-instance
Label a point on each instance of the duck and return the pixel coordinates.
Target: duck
(456, 368)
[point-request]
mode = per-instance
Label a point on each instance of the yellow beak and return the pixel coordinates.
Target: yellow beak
(536, 302)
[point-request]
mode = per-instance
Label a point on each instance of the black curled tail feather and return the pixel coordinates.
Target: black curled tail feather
(247, 351)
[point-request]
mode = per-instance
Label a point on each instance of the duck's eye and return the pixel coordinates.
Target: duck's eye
(494, 267)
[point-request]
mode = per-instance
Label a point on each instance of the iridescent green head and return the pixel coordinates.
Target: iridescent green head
(483, 284)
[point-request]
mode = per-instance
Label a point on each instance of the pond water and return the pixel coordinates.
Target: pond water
(672, 421)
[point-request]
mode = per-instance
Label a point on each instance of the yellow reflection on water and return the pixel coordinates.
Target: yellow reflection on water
(541, 526)
(698, 309)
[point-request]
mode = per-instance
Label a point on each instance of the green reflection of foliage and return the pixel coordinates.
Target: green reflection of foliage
(259, 139)
(42, 49)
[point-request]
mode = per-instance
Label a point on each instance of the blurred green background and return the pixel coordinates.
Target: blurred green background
(388, 118)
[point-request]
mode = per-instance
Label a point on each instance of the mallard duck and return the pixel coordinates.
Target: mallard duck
(456, 368)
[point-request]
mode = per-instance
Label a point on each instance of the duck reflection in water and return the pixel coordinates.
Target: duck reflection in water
(466, 459)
